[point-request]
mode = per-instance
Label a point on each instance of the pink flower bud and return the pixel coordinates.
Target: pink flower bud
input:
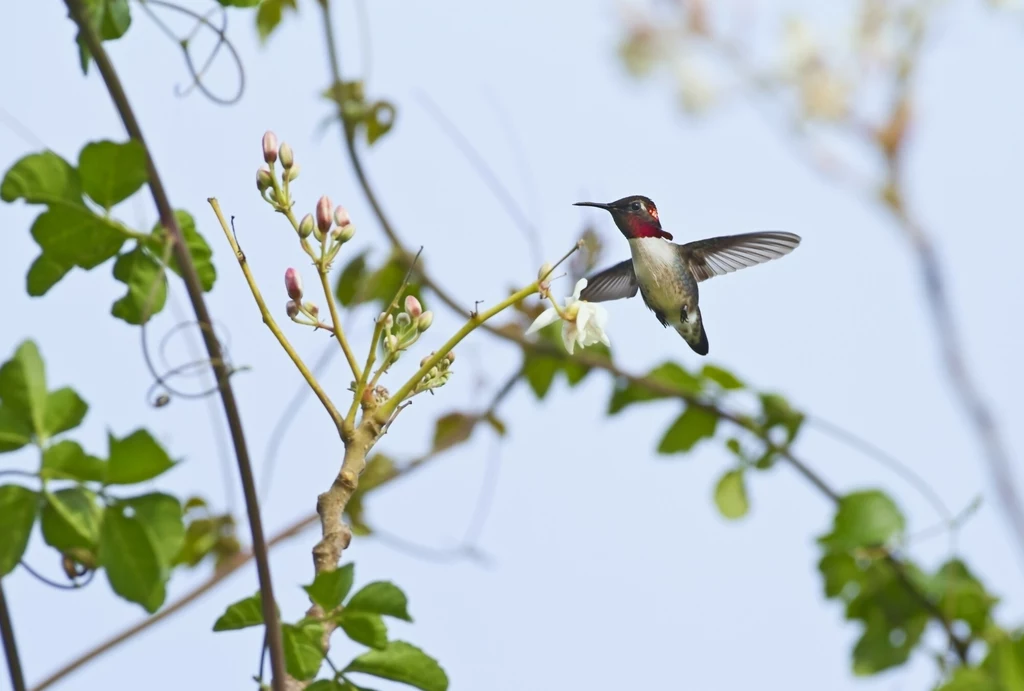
(293, 284)
(412, 306)
(269, 147)
(264, 179)
(292, 308)
(306, 226)
(287, 157)
(450, 356)
(341, 217)
(324, 217)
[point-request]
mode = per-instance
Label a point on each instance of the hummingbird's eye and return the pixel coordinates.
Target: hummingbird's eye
(635, 206)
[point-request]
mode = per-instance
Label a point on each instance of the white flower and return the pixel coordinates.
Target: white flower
(583, 323)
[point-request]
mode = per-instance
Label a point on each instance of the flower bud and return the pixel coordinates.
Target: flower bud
(291, 173)
(544, 271)
(413, 306)
(293, 284)
(292, 308)
(450, 356)
(392, 343)
(389, 321)
(324, 217)
(403, 321)
(425, 320)
(433, 372)
(341, 217)
(311, 308)
(306, 226)
(264, 179)
(423, 362)
(269, 147)
(343, 233)
(287, 157)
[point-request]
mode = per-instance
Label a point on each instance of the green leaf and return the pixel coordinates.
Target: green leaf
(147, 287)
(23, 386)
(962, 597)
(777, 411)
(201, 537)
(973, 679)
(403, 663)
(452, 429)
(540, 371)
(689, 428)
(71, 519)
(202, 255)
(66, 460)
(241, 615)
(379, 119)
(303, 651)
(75, 236)
(864, 519)
(380, 597)
(496, 423)
(365, 628)
(15, 431)
(724, 378)
(111, 18)
(1005, 664)
(65, 410)
(18, 506)
(269, 15)
(45, 273)
(160, 515)
(131, 560)
(379, 470)
(111, 172)
(43, 178)
(350, 280)
(668, 374)
(731, 495)
(329, 685)
(239, 3)
(136, 458)
(330, 588)
(883, 645)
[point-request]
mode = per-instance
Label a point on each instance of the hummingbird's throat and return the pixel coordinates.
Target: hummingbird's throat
(640, 228)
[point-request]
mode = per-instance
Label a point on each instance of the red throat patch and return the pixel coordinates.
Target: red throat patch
(645, 229)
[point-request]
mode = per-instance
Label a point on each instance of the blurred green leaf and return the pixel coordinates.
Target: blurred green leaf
(689, 428)
(75, 236)
(731, 495)
(66, 460)
(303, 652)
(974, 679)
(329, 685)
(45, 273)
(202, 255)
(330, 588)
(65, 410)
(350, 280)
(111, 19)
(239, 3)
(540, 371)
(884, 645)
(403, 663)
(776, 411)
(160, 515)
(269, 16)
(23, 387)
(365, 628)
(379, 470)
(667, 374)
(136, 458)
(452, 429)
(71, 518)
(111, 172)
(864, 519)
(131, 560)
(18, 506)
(379, 120)
(724, 378)
(147, 287)
(43, 178)
(380, 597)
(201, 537)
(15, 431)
(240, 615)
(962, 597)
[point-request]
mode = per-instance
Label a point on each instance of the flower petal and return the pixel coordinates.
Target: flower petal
(548, 316)
(569, 336)
(580, 285)
(583, 318)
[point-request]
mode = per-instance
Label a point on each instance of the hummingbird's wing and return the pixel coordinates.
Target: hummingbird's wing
(614, 283)
(722, 255)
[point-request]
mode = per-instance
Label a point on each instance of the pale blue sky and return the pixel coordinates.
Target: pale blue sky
(611, 567)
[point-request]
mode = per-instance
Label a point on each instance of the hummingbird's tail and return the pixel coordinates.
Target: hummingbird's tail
(694, 335)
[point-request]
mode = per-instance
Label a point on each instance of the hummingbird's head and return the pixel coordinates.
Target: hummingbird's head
(635, 216)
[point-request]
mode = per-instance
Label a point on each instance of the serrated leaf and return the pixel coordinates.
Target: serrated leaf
(160, 515)
(241, 615)
(111, 171)
(540, 371)
(43, 178)
(269, 16)
(65, 410)
(136, 458)
(131, 560)
(147, 287)
(365, 628)
(45, 273)
(18, 506)
(23, 387)
(70, 519)
(667, 374)
(15, 431)
(864, 519)
(727, 380)
(350, 280)
(452, 429)
(694, 425)
(202, 254)
(731, 495)
(66, 460)
(381, 597)
(303, 651)
(330, 588)
(403, 663)
(75, 236)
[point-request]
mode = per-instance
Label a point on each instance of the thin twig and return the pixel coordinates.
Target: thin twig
(76, 9)
(10, 645)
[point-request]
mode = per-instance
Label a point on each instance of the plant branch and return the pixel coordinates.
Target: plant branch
(10, 645)
(271, 323)
(79, 15)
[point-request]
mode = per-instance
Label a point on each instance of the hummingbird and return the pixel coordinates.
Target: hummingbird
(667, 274)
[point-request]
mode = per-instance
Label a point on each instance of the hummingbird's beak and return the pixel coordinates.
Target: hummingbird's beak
(606, 207)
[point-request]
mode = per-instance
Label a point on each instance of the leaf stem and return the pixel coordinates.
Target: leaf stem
(10, 645)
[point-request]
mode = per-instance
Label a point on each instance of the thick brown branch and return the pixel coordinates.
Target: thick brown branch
(10, 645)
